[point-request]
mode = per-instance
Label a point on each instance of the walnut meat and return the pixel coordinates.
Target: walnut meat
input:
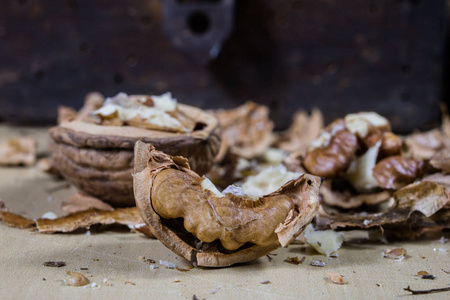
(397, 171)
(391, 144)
(197, 222)
(333, 155)
(98, 159)
(368, 126)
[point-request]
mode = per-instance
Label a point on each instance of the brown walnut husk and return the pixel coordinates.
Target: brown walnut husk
(302, 131)
(82, 219)
(421, 204)
(212, 230)
(98, 159)
(247, 130)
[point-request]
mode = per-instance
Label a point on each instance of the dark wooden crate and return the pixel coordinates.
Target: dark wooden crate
(340, 56)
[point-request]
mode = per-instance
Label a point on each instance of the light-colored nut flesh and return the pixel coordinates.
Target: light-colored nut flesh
(329, 160)
(368, 126)
(166, 189)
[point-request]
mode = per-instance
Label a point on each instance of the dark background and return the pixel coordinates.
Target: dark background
(340, 56)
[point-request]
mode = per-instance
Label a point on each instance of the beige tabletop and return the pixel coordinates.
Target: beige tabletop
(113, 258)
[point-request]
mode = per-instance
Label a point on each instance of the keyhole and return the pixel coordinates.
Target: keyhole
(198, 22)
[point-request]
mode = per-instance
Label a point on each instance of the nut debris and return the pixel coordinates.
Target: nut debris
(397, 254)
(76, 279)
(421, 273)
(336, 278)
(443, 240)
(56, 264)
(81, 202)
(317, 263)
(295, 260)
(84, 219)
(325, 242)
(18, 151)
(107, 282)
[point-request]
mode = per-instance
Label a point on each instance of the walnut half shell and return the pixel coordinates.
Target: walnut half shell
(98, 159)
(211, 229)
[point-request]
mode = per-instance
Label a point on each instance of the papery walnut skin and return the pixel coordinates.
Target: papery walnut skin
(329, 160)
(397, 171)
(166, 189)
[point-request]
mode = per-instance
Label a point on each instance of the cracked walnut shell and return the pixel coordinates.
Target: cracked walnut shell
(209, 228)
(98, 159)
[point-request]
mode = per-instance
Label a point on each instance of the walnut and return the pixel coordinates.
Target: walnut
(368, 126)
(98, 159)
(391, 144)
(397, 171)
(331, 152)
(192, 218)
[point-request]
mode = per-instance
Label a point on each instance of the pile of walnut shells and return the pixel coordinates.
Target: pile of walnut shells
(96, 154)
(372, 177)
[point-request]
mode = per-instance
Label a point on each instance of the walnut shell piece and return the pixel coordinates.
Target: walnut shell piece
(98, 159)
(211, 229)
(441, 160)
(397, 171)
(247, 130)
(302, 131)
